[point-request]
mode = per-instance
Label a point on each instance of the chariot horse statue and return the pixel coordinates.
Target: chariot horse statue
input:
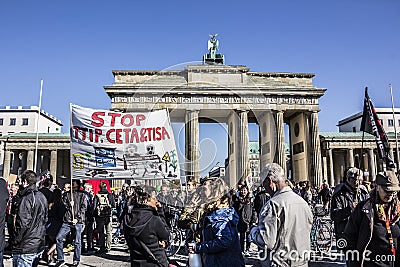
(212, 57)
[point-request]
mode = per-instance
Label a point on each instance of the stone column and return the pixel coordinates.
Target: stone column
(23, 159)
(350, 157)
(331, 173)
(372, 166)
(325, 167)
(366, 164)
(267, 140)
(192, 144)
(243, 167)
(16, 162)
(6, 164)
(53, 165)
(280, 153)
(316, 171)
(29, 160)
(338, 166)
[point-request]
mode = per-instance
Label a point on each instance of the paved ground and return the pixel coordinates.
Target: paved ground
(119, 256)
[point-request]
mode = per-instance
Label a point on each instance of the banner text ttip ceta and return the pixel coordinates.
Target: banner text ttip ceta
(112, 145)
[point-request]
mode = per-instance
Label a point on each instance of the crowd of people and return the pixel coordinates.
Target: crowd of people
(220, 222)
(41, 219)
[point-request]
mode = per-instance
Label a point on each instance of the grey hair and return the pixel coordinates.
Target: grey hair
(274, 171)
(87, 186)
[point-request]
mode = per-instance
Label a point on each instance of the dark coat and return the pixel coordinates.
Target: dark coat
(56, 215)
(80, 206)
(342, 205)
(47, 193)
(325, 194)
(30, 223)
(358, 231)
(3, 204)
(247, 213)
(220, 245)
(145, 224)
(259, 201)
(90, 206)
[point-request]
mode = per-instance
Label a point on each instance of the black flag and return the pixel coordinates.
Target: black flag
(372, 124)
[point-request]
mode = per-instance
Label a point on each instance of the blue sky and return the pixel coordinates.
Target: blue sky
(74, 46)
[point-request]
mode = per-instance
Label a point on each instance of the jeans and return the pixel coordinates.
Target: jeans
(244, 240)
(89, 236)
(117, 232)
(1, 259)
(26, 260)
(65, 229)
(104, 227)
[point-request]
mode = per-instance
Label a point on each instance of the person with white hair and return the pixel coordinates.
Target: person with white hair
(284, 223)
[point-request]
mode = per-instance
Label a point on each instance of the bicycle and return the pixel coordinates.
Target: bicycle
(322, 233)
(177, 236)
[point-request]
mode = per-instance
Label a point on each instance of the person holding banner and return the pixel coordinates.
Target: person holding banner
(75, 210)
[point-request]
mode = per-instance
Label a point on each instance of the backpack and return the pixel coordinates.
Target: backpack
(103, 207)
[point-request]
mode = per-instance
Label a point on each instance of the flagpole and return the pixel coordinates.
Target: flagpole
(394, 125)
(37, 126)
(71, 165)
(361, 164)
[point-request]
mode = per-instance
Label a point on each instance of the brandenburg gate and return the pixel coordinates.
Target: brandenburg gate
(235, 96)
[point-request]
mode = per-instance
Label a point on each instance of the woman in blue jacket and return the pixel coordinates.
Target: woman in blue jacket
(220, 244)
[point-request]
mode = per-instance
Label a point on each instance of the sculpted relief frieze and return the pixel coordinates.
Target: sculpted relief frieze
(289, 100)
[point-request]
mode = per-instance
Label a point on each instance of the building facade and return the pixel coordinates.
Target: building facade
(24, 120)
(353, 122)
(53, 154)
(349, 147)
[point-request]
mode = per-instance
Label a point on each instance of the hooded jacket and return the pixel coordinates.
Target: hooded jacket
(145, 224)
(30, 223)
(220, 245)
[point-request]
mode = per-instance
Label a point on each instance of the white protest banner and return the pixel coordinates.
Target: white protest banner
(111, 145)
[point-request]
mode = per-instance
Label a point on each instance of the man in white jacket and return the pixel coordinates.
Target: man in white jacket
(284, 223)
